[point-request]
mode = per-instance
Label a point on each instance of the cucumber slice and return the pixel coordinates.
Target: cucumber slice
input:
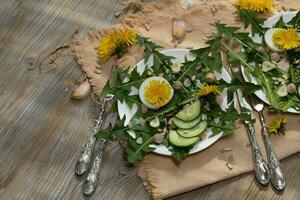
(196, 131)
(190, 112)
(179, 141)
(154, 123)
(184, 124)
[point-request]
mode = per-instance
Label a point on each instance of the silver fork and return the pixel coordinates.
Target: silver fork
(276, 172)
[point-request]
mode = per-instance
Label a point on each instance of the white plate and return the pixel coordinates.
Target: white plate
(269, 23)
(179, 54)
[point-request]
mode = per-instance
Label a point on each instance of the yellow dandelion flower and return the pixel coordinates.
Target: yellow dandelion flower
(286, 38)
(256, 5)
(158, 93)
(276, 126)
(115, 41)
(207, 89)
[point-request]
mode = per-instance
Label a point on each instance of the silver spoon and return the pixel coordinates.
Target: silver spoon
(276, 172)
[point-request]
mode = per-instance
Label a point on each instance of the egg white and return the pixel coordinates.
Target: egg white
(269, 40)
(145, 84)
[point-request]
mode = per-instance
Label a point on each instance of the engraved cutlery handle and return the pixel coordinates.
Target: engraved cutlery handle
(277, 174)
(91, 180)
(85, 156)
(260, 165)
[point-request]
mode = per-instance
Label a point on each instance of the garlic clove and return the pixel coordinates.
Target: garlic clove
(82, 91)
(178, 28)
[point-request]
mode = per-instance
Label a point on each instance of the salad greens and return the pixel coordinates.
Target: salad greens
(229, 47)
(193, 72)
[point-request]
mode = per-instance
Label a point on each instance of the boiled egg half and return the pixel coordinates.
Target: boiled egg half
(155, 92)
(279, 39)
(269, 40)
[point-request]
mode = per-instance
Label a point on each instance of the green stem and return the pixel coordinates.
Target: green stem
(170, 109)
(269, 92)
(254, 23)
(143, 145)
(288, 105)
(156, 115)
(217, 126)
(131, 83)
(237, 56)
(154, 53)
(184, 73)
(292, 72)
(241, 42)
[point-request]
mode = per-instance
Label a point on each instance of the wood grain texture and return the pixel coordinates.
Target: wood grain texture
(42, 131)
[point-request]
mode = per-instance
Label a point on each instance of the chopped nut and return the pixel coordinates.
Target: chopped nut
(139, 140)
(177, 85)
(213, 8)
(117, 14)
(176, 67)
(282, 91)
(210, 77)
(98, 67)
(285, 8)
(268, 66)
(275, 57)
(283, 65)
(187, 82)
(291, 88)
(226, 149)
(229, 166)
(171, 124)
(198, 67)
(97, 71)
(147, 26)
(159, 138)
(248, 144)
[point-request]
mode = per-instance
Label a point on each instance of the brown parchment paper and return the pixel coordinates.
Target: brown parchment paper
(161, 176)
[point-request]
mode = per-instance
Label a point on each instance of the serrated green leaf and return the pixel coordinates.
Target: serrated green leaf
(251, 18)
(280, 23)
(227, 30)
(295, 21)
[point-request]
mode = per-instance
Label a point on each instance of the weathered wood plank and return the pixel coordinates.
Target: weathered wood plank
(42, 130)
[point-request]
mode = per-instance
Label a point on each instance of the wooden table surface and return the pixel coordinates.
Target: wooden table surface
(42, 131)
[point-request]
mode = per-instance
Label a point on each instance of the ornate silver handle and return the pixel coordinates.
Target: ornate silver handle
(277, 175)
(260, 165)
(91, 180)
(85, 156)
